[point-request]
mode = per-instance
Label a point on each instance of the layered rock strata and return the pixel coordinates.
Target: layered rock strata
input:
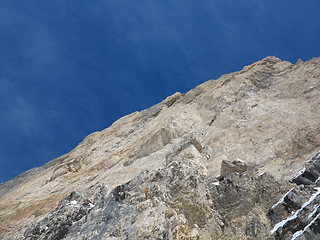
(178, 201)
(297, 214)
(261, 123)
(181, 202)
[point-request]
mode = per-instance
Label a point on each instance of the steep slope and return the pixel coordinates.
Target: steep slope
(265, 117)
(179, 201)
(297, 215)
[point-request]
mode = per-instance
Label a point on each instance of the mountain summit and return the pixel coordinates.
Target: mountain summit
(226, 160)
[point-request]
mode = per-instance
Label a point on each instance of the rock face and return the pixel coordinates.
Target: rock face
(175, 202)
(215, 163)
(297, 215)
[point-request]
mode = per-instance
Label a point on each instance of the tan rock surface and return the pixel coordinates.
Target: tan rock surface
(266, 115)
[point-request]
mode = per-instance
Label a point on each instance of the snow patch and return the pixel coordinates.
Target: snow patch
(282, 199)
(299, 173)
(299, 233)
(314, 158)
(295, 215)
(74, 202)
(283, 222)
(315, 209)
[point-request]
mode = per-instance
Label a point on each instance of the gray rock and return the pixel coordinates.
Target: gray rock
(297, 214)
(176, 202)
(153, 174)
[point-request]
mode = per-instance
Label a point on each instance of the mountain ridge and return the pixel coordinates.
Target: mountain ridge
(256, 116)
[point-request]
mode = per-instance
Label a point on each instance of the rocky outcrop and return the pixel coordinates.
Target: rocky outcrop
(310, 174)
(297, 215)
(209, 163)
(181, 202)
(236, 166)
(176, 202)
(58, 224)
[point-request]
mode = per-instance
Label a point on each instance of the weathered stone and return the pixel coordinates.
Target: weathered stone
(175, 202)
(297, 214)
(159, 167)
(236, 166)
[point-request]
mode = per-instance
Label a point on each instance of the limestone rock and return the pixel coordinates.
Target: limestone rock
(297, 214)
(310, 174)
(58, 224)
(236, 166)
(154, 173)
(175, 202)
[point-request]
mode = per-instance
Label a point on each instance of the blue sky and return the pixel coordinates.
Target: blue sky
(72, 67)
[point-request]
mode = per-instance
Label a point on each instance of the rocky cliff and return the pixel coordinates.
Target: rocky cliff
(219, 162)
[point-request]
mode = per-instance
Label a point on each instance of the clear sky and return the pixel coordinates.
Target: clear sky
(72, 67)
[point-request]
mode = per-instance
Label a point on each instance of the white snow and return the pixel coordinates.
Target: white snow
(311, 198)
(297, 234)
(295, 215)
(91, 205)
(74, 202)
(314, 158)
(282, 199)
(299, 173)
(216, 183)
(283, 222)
(315, 209)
